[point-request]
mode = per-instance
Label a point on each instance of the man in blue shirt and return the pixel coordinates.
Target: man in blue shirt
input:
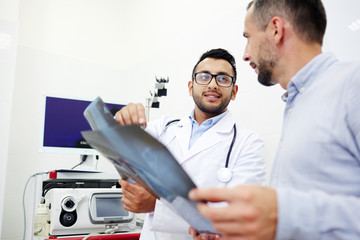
(315, 182)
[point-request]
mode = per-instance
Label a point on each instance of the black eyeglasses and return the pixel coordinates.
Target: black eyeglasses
(204, 78)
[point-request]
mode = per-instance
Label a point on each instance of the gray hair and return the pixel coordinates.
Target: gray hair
(308, 17)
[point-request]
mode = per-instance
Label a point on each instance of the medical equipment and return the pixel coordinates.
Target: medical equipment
(159, 91)
(82, 211)
(224, 174)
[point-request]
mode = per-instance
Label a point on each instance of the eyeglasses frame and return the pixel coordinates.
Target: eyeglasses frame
(214, 76)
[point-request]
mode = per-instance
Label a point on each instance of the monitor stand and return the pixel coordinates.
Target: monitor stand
(90, 163)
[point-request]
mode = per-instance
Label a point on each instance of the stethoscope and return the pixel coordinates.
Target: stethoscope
(224, 174)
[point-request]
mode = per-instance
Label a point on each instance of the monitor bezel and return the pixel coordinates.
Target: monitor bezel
(95, 219)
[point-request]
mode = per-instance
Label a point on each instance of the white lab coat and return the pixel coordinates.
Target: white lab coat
(201, 162)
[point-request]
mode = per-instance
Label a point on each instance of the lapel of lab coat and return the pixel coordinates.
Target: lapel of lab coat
(209, 138)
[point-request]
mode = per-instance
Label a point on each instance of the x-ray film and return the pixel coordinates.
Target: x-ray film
(136, 154)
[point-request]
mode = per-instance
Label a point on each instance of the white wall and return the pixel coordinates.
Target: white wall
(114, 49)
(8, 46)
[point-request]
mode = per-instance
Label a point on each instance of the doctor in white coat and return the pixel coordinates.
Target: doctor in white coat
(212, 148)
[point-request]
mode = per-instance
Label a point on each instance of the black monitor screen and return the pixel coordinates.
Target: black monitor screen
(64, 121)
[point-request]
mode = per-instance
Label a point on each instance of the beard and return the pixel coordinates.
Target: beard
(214, 110)
(267, 63)
(265, 73)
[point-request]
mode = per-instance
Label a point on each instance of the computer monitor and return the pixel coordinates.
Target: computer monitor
(63, 122)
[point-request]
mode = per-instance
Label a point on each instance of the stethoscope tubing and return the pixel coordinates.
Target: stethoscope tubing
(231, 145)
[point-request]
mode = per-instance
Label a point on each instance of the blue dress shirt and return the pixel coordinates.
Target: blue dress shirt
(317, 168)
(197, 130)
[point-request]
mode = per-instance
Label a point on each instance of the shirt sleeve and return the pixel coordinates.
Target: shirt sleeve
(353, 113)
(316, 215)
(156, 128)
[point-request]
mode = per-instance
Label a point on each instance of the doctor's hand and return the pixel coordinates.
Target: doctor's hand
(251, 212)
(133, 113)
(136, 199)
(202, 236)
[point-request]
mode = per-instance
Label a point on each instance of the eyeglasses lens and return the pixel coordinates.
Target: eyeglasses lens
(205, 78)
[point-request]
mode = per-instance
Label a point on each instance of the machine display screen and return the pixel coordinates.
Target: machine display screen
(63, 122)
(110, 207)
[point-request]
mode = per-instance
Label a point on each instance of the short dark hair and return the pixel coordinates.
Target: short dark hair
(218, 53)
(308, 17)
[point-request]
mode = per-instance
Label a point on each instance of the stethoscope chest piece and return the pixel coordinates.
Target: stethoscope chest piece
(224, 175)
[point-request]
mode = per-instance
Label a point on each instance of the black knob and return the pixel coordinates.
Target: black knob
(69, 203)
(67, 219)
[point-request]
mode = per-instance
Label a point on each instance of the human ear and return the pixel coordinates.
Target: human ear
(234, 92)
(190, 86)
(277, 28)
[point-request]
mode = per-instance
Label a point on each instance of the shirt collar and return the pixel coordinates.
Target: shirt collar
(211, 121)
(304, 78)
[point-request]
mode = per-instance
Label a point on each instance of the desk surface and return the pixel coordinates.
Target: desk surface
(124, 236)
